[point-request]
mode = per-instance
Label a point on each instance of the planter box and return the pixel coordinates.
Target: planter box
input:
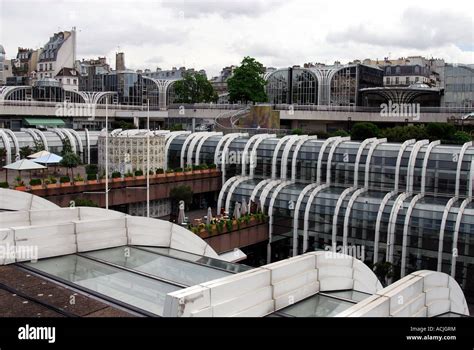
(117, 179)
(36, 187)
(141, 177)
(20, 188)
(128, 178)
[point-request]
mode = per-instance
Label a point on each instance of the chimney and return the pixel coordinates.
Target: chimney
(119, 61)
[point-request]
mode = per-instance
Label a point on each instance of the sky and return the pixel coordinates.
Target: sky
(212, 34)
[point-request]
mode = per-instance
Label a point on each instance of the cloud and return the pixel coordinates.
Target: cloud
(223, 8)
(418, 29)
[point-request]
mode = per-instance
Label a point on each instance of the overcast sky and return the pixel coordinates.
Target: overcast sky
(211, 34)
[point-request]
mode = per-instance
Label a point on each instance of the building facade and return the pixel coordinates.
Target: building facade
(336, 85)
(127, 150)
(408, 205)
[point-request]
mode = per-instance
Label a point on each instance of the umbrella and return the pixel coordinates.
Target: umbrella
(237, 210)
(181, 213)
(39, 154)
(244, 209)
(23, 164)
(209, 215)
(50, 158)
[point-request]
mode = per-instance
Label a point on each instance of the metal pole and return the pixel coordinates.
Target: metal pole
(107, 152)
(148, 160)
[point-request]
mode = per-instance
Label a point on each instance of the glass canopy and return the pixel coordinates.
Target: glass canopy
(135, 277)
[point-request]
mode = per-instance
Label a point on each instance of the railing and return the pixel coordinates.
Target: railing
(228, 107)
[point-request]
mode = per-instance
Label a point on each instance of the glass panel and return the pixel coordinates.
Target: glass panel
(142, 292)
(171, 269)
(353, 295)
(317, 306)
(224, 265)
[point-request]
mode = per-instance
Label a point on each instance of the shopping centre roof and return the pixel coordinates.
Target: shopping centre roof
(151, 267)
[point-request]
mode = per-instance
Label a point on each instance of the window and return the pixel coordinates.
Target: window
(417, 79)
(407, 80)
(396, 81)
(41, 66)
(68, 81)
(50, 66)
(75, 81)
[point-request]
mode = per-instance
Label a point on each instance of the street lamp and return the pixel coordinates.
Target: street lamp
(107, 152)
(148, 160)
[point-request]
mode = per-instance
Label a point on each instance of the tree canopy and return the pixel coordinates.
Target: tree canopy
(247, 83)
(194, 88)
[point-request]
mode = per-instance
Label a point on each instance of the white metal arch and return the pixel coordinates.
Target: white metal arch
(192, 145)
(459, 165)
(169, 139)
(6, 143)
(425, 164)
(70, 138)
(221, 142)
(378, 222)
(43, 138)
(34, 136)
(183, 149)
(285, 155)
(275, 153)
(331, 154)
(270, 217)
(257, 188)
(313, 194)
(88, 143)
(15, 141)
(78, 139)
(411, 206)
(369, 159)
(201, 143)
(412, 163)
(397, 205)
(296, 215)
(454, 252)
(399, 161)
(444, 219)
(321, 155)
(224, 153)
(295, 154)
(339, 202)
(266, 190)
(222, 191)
(347, 215)
(232, 189)
(245, 153)
(253, 153)
(358, 156)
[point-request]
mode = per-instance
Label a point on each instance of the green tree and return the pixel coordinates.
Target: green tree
(297, 131)
(362, 131)
(38, 146)
(67, 148)
(340, 132)
(403, 133)
(247, 82)
(25, 151)
(440, 131)
(70, 160)
(84, 202)
(461, 137)
(194, 88)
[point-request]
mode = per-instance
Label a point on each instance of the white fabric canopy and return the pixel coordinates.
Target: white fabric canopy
(24, 164)
(48, 159)
(39, 154)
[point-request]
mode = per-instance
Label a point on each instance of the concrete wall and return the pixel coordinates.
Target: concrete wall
(263, 290)
(420, 294)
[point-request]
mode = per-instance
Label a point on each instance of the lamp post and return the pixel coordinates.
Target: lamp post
(107, 152)
(148, 160)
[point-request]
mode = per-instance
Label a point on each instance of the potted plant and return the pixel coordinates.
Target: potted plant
(20, 185)
(116, 176)
(35, 184)
(78, 180)
(4, 184)
(65, 181)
